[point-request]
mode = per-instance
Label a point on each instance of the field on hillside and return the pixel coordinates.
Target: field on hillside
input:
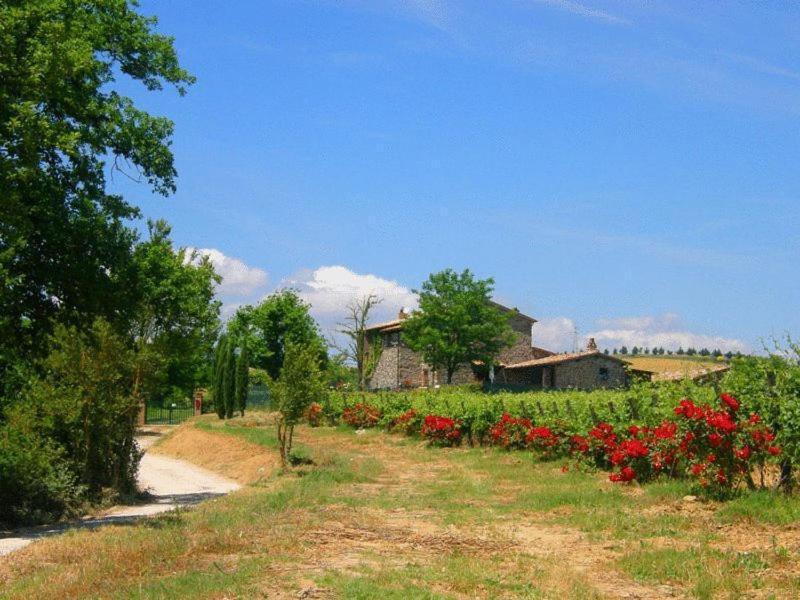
(669, 363)
(381, 515)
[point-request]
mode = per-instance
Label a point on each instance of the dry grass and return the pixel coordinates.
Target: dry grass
(233, 457)
(673, 367)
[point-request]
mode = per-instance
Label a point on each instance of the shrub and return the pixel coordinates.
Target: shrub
(35, 484)
(441, 431)
(546, 442)
(299, 385)
(406, 423)
(314, 414)
(511, 433)
(361, 416)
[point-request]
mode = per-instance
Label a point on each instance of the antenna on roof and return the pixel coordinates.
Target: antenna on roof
(575, 339)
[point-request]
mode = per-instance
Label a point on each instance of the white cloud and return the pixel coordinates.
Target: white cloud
(556, 334)
(658, 331)
(238, 279)
(645, 331)
(329, 289)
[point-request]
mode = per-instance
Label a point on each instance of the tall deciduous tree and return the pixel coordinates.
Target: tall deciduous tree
(173, 316)
(457, 323)
(64, 244)
(299, 385)
(355, 328)
(267, 328)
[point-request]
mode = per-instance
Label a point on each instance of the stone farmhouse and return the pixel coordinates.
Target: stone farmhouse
(521, 364)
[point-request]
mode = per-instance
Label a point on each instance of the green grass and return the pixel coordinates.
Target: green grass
(707, 572)
(762, 506)
(263, 436)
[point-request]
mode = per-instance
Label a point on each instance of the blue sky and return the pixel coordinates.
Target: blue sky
(626, 168)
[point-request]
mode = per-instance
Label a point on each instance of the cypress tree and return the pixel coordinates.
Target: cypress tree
(229, 380)
(242, 379)
(219, 370)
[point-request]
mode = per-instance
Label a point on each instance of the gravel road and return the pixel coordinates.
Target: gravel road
(170, 483)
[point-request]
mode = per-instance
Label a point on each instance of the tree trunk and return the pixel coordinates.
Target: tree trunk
(785, 481)
(282, 442)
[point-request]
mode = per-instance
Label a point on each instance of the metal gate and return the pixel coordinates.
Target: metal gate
(157, 414)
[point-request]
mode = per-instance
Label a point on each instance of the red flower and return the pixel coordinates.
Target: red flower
(754, 419)
(634, 448)
(730, 401)
(666, 431)
(715, 439)
(633, 430)
(627, 474)
(743, 453)
(721, 421)
(774, 450)
(721, 478)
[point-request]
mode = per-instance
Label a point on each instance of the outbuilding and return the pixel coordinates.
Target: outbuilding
(585, 370)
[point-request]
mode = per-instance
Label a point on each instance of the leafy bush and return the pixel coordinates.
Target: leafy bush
(408, 423)
(511, 433)
(314, 414)
(361, 416)
(84, 408)
(35, 484)
(441, 431)
(638, 435)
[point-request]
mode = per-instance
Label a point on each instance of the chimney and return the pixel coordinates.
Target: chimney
(592, 345)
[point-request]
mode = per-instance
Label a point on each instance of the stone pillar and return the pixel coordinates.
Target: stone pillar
(198, 401)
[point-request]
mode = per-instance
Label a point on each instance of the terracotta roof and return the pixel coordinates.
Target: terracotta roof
(387, 325)
(561, 358)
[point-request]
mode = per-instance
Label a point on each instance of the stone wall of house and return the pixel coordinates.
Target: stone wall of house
(584, 373)
(409, 370)
(385, 373)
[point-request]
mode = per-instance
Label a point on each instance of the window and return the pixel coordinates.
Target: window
(603, 373)
(391, 339)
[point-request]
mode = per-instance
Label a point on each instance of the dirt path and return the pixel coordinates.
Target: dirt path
(169, 482)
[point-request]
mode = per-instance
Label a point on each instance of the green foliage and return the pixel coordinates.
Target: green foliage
(266, 330)
(301, 383)
(340, 374)
(574, 412)
(242, 380)
(229, 379)
(36, 484)
(173, 316)
(457, 323)
(772, 386)
(82, 415)
(219, 375)
(62, 120)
